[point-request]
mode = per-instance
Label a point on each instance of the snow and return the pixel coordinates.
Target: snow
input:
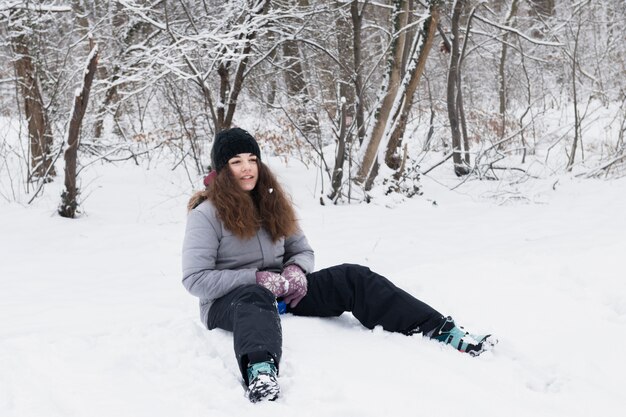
(95, 321)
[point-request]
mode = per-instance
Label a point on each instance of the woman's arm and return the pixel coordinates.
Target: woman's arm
(199, 258)
(299, 252)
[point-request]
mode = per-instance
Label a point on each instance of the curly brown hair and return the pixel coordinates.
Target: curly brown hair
(242, 212)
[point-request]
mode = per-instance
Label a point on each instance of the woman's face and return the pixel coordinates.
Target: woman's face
(244, 168)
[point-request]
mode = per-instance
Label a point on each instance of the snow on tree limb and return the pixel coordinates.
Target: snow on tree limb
(28, 5)
(517, 32)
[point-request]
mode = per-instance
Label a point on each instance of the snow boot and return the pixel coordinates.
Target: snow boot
(461, 340)
(263, 385)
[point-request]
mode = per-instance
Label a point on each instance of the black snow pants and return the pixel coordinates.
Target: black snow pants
(250, 311)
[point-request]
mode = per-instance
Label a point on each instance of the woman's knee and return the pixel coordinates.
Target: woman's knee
(360, 272)
(360, 276)
(356, 269)
(222, 312)
(255, 294)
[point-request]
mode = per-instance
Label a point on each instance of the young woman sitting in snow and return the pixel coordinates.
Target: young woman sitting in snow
(243, 251)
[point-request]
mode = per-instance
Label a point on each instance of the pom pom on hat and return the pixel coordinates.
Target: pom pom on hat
(209, 178)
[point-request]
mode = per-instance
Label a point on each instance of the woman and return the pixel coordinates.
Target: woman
(243, 251)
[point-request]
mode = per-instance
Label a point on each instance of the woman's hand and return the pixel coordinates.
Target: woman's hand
(274, 282)
(297, 284)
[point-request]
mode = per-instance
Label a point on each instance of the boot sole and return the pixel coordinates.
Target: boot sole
(268, 392)
(486, 344)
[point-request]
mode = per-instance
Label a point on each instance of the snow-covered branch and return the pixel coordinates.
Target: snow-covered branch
(517, 32)
(32, 6)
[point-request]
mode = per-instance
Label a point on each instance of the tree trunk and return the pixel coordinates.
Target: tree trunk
(460, 166)
(111, 97)
(345, 45)
(340, 157)
(39, 131)
(294, 74)
(502, 66)
(461, 111)
(347, 105)
(297, 87)
(577, 129)
(393, 77)
(410, 35)
(262, 8)
(223, 72)
(421, 48)
(357, 22)
(69, 198)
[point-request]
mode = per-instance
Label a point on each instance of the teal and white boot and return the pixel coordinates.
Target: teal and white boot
(262, 385)
(456, 336)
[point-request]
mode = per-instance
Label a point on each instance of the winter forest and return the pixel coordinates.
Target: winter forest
(481, 140)
(369, 92)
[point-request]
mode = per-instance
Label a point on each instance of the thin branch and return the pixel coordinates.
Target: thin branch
(517, 32)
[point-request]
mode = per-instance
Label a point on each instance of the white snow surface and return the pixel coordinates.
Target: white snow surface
(95, 320)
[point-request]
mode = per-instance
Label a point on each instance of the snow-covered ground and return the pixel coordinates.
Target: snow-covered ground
(95, 321)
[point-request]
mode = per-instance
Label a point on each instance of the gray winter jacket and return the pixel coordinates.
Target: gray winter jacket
(215, 261)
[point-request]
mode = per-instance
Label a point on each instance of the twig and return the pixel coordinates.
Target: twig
(438, 163)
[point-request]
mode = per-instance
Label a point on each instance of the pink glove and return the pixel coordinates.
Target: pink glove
(274, 282)
(297, 284)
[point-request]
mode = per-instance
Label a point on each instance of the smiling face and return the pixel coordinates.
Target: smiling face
(244, 168)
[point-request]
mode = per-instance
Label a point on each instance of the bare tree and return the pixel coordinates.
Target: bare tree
(575, 96)
(416, 63)
(369, 150)
(357, 24)
(460, 146)
(502, 82)
(69, 197)
(21, 17)
(347, 41)
(208, 47)
(393, 111)
(298, 88)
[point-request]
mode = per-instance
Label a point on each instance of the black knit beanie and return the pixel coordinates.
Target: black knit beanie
(231, 142)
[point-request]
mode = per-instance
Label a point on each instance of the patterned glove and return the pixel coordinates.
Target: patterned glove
(297, 284)
(274, 282)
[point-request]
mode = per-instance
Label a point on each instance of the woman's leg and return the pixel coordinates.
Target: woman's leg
(250, 313)
(371, 298)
